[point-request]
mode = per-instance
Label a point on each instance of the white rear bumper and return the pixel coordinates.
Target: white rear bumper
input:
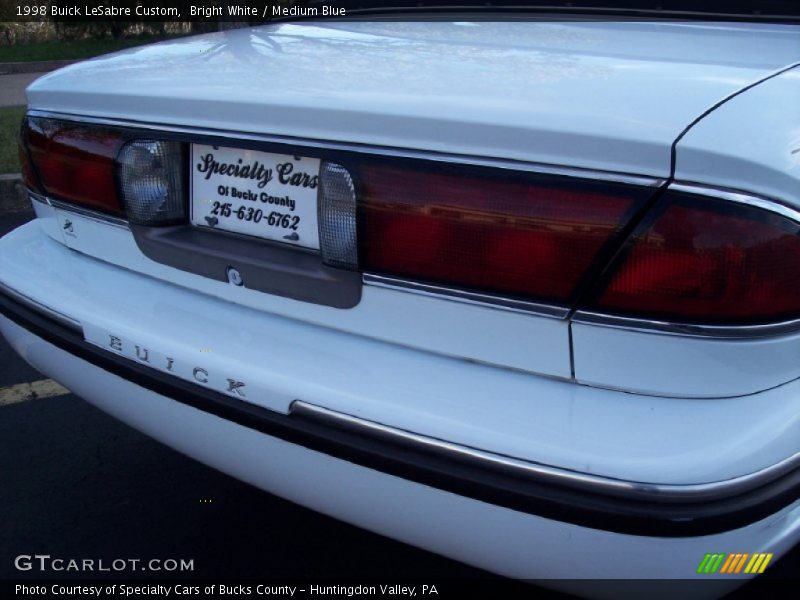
(498, 539)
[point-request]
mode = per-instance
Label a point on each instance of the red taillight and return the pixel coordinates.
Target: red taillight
(708, 261)
(75, 163)
(501, 232)
(29, 176)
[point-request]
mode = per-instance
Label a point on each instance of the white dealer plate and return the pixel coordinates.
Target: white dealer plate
(271, 196)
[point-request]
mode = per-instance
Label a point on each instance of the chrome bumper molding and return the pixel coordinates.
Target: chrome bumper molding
(46, 311)
(666, 493)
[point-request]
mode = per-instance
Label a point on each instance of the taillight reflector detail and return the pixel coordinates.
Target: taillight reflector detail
(503, 232)
(75, 162)
(701, 260)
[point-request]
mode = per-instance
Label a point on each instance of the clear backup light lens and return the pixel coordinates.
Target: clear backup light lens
(337, 217)
(151, 182)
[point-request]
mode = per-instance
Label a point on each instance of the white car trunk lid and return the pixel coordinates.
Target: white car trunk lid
(609, 96)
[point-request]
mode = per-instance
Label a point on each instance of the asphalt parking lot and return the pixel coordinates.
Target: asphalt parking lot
(77, 483)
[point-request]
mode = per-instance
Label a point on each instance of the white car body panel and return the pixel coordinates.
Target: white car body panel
(751, 142)
(676, 365)
(594, 95)
(505, 541)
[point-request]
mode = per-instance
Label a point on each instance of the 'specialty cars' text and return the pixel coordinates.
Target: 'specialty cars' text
(525, 293)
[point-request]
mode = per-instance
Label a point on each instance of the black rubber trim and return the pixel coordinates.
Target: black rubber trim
(277, 269)
(635, 517)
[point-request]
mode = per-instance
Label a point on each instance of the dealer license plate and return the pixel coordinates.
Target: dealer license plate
(266, 195)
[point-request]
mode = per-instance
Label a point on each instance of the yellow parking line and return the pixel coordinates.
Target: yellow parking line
(44, 388)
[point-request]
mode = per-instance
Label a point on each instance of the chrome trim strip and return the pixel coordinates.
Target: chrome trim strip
(88, 213)
(655, 492)
(740, 197)
(587, 317)
(41, 308)
(499, 163)
(446, 293)
(35, 197)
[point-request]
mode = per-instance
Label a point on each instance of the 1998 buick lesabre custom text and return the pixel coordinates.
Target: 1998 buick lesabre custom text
(510, 291)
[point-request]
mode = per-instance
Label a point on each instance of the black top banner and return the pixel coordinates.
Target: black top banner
(162, 10)
(255, 11)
